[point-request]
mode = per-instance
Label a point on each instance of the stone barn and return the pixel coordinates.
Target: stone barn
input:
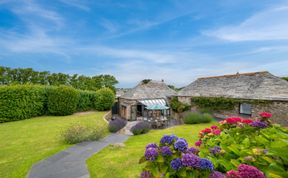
(148, 99)
(251, 93)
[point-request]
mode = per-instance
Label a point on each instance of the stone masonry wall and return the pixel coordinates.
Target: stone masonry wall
(279, 110)
(128, 104)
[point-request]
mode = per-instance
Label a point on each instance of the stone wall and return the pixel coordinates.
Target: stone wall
(279, 110)
(127, 103)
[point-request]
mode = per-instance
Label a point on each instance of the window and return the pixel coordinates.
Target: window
(245, 108)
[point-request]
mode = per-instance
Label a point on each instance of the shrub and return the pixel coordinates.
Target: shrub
(244, 141)
(77, 133)
(140, 128)
(116, 124)
(86, 100)
(19, 102)
(207, 118)
(178, 106)
(239, 148)
(104, 99)
(62, 100)
(172, 158)
(196, 118)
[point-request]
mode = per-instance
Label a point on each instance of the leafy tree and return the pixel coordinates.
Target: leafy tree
(29, 76)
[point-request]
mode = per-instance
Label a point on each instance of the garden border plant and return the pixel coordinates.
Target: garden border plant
(20, 102)
(238, 148)
(178, 106)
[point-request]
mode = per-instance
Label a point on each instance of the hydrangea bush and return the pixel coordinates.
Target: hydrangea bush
(255, 142)
(237, 148)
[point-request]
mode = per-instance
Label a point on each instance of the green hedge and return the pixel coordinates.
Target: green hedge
(62, 100)
(86, 100)
(178, 106)
(19, 102)
(196, 118)
(104, 100)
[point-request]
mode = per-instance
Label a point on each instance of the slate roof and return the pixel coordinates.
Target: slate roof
(121, 91)
(257, 85)
(151, 90)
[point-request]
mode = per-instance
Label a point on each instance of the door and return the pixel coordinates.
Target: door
(134, 112)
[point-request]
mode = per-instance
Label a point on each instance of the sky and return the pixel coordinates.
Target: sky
(174, 40)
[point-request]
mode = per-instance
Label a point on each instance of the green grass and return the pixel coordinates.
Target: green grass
(123, 162)
(23, 143)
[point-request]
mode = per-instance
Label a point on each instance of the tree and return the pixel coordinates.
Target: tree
(28, 75)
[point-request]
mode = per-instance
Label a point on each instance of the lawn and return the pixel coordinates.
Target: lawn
(123, 162)
(23, 143)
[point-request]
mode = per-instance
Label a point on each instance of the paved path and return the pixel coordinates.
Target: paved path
(126, 129)
(71, 163)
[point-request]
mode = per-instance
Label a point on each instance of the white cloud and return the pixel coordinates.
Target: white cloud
(134, 54)
(270, 24)
(76, 3)
(29, 10)
(109, 26)
(181, 74)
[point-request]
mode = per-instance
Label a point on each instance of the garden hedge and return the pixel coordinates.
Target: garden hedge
(86, 100)
(62, 100)
(104, 100)
(19, 102)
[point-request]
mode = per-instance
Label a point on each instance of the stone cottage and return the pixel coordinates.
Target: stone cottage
(147, 94)
(246, 88)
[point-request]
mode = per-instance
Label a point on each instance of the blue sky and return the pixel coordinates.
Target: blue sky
(173, 40)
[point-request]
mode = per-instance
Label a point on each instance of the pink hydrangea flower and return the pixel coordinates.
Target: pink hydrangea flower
(265, 115)
(214, 127)
(232, 174)
(198, 143)
(247, 171)
(233, 120)
(247, 121)
(206, 130)
(217, 132)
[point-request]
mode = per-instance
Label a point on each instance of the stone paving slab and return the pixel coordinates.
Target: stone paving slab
(71, 163)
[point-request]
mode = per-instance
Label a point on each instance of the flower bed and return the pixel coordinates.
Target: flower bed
(237, 148)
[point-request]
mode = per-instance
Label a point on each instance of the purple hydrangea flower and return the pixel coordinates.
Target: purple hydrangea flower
(246, 171)
(259, 124)
(174, 137)
(176, 164)
(216, 174)
(215, 150)
(166, 151)
(151, 154)
(181, 144)
(168, 139)
(146, 174)
(190, 160)
(206, 164)
(193, 150)
(151, 145)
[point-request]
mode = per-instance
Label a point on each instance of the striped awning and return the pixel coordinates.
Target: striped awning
(151, 102)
